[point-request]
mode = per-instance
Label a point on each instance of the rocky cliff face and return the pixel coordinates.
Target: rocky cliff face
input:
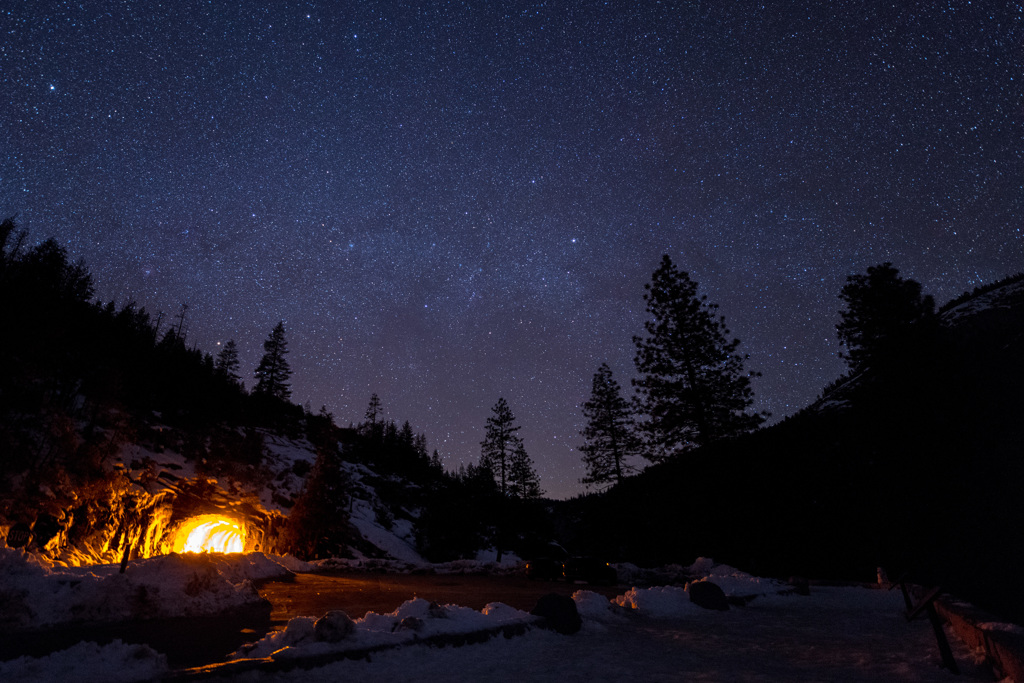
(147, 499)
(144, 502)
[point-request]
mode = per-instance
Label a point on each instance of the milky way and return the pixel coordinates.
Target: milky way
(456, 202)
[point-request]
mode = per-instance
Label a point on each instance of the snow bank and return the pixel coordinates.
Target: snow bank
(89, 663)
(414, 620)
(658, 602)
(732, 581)
(34, 594)
(594, 606)
(490, 557)
(294, 564)
(673, 601)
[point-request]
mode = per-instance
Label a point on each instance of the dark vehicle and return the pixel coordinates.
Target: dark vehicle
(547, 565)
(590, 570)
(544, 569)
(554, 563)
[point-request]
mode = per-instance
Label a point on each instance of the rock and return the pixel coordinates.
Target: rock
(707, 595)
(801, 586)
(333, 626)
(414, 624)
(45, 531)
(559, 612)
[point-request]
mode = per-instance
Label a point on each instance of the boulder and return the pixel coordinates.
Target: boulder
(409, 624)
(707, 595)
(559, 613)
(333, 626)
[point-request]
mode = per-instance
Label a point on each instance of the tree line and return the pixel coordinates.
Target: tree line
(691, 387)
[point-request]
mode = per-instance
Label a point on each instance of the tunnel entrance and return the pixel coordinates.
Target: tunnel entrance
(210, 534)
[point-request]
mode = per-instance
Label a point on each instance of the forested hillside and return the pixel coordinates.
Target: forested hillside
(114, 431)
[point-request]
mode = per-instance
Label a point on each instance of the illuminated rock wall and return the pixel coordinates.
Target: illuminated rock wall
(129, 519)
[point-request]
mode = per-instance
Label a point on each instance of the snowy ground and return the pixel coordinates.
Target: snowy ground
(35, 594)
(653, 634)
(837, 634)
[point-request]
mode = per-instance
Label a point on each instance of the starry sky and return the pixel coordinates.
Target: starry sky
(451, 202)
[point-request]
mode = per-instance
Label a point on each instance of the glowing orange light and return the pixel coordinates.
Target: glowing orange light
(210, 533)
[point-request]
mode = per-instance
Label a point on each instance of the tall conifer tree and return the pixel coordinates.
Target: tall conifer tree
(273, 372)
(372, 426)
(499, 444)
(227, 362)
(524, 483)
(610, 436)
(886, 317)
(692, 386)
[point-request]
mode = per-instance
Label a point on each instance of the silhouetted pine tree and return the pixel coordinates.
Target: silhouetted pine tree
(610, 436)
(227, 362)
(523, 483)
(373, 426)
(885, 317)
(11, 242)
(273, 372)
(496, 453)
(318, 524)
(46, 276)
(500, 442)
(692, 387)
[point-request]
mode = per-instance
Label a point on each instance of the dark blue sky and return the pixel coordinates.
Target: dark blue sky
(460, 201)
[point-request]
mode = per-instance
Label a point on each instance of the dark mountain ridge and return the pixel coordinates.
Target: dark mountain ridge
(916, 468)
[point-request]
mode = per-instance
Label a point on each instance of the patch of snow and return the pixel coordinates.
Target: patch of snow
(658, 602)
(89, 663)
(674, 602)
(594, 606)
(832, 404)
(34, 594)
(294, 564)
(490, 557)
(364, 518)
(998, 626)
(702, 566)
(162, 467)
(402, 528)
(734, 582)
(628, 573)
(1002, 297)
(280, 456)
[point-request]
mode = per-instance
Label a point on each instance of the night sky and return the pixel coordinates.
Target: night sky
(447, 203)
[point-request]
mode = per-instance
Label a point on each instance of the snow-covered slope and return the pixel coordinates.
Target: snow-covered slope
(1008, 299)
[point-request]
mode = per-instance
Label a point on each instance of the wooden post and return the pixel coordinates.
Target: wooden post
(927, 605)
